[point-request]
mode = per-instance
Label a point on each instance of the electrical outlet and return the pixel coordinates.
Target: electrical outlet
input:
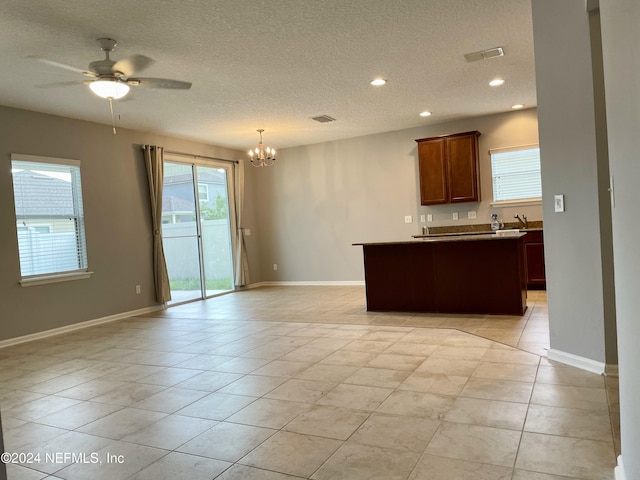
(138, 290)
(247, 232)
(558, 203)
(423, 218)
(455, 215)
(429, 217)
(472, 214)
(275, 266)
(408, 219)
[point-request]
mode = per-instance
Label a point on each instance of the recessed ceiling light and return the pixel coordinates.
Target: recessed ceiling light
(517, 106)
(378, 81)
(496, 82)
(425, 114)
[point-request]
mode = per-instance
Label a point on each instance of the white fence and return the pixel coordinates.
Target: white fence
(181, 250)
(58, 252)
(47, 252)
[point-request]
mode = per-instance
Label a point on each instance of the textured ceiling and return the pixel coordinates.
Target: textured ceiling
(272, 64)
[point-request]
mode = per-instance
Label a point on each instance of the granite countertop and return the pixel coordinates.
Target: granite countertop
(477, 229)
(474, 237)
(476, 233)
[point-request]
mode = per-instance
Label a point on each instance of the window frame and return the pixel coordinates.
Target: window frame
(515, 202)
(205, 191)
(78, 216)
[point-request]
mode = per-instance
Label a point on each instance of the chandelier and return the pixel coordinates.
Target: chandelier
(262, 157)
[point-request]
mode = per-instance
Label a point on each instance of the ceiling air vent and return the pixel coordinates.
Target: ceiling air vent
(323, 118)
(484, 54)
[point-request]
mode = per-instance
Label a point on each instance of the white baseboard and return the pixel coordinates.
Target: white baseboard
(345, 283)
(78, 326)
(619, 470)
(576, 361)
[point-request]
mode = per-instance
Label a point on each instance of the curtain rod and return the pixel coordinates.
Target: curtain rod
(171, 152)
(192, 155)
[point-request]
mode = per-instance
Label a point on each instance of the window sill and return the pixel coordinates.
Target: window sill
(55, 278)
(518, 203)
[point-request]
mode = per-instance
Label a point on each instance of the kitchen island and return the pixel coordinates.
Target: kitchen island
(481, 274)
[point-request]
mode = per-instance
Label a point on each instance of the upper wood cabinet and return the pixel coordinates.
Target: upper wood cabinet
(448, 168)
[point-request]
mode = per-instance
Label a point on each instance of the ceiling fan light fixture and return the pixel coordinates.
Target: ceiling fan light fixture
(112, 89)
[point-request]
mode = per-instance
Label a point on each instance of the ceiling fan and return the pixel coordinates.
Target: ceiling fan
(112, 79)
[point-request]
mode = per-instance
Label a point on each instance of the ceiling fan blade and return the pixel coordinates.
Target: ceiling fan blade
(59, 84)
(132, 64)
(159, 83)
(62, 65)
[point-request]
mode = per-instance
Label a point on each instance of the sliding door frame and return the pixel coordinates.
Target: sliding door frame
(228, 165)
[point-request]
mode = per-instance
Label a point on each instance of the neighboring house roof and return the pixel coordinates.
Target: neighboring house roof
(172, 204)
(41, 195)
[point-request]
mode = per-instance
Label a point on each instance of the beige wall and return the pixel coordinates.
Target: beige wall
(118, 229)
(570, 128)
(319, 199)
(620, 40)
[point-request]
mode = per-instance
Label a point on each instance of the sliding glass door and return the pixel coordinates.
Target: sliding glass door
(196, 228)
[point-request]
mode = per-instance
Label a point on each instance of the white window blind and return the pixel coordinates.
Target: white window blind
(49, 215)
(516, 174)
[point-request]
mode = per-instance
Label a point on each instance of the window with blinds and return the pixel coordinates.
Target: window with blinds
(49, 216)
(516, 174)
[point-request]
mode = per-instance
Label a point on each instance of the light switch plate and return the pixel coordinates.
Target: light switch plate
(472, 214)
(429, 217)
(408, 219)
(247, 232)
(558, 203)
(455, 215)
(423, 218)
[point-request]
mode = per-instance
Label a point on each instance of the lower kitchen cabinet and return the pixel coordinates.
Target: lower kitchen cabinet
(456, 274)
(533, 249)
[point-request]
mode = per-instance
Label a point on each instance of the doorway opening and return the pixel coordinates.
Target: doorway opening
(196, 228)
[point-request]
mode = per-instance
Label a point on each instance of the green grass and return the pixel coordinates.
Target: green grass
(190, 284)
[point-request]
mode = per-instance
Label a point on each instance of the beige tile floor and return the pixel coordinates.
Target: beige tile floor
(280, 383)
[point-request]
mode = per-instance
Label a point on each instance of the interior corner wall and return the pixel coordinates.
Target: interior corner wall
(320, 199)
(250, 220)
(620, 40)
(117, 220)
(569, 161)
(604, 211)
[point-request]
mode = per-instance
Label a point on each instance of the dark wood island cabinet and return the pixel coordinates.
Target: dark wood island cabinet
(533, 251)
(482, 274)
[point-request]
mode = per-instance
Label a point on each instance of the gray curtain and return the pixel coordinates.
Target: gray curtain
(153, 160)
(241, 264)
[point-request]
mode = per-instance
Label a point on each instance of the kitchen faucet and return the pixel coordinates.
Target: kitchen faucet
(523, 221)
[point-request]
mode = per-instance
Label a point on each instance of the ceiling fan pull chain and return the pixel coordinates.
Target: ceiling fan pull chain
(113, 121)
